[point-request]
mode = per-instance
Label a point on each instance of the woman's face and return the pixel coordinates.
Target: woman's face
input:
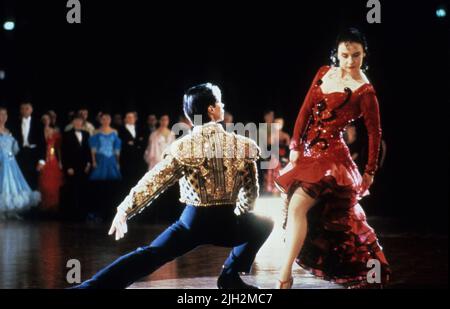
(53, 116)
(350, 56)
(46, 120)
(164, 121)
(151, 120)
(105, 120)
(3, 116)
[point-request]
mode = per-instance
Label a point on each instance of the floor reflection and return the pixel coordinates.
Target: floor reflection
(34, 255)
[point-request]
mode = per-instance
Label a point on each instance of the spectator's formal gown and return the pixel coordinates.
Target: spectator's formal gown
(15, 193)
(106, 147)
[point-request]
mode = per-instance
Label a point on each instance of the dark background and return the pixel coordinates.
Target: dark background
(126, 54)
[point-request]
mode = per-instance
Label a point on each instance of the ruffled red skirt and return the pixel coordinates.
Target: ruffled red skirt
(340, 244)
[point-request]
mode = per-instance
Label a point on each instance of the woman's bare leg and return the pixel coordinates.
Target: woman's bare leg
(296, 229)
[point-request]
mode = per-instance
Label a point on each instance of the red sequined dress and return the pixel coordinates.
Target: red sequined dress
(339, 242)
(51, 176)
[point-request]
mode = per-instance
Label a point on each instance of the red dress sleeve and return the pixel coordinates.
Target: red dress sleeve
(371, 114)
(305, 111)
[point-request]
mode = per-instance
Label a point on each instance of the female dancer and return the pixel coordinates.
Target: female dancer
(333, 240)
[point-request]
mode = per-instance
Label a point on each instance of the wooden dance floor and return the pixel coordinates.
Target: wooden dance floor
(34, 255)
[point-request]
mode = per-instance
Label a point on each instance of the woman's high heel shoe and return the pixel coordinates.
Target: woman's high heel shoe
(285, 284)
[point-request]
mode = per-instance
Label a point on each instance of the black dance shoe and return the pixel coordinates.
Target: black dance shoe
(233, 281)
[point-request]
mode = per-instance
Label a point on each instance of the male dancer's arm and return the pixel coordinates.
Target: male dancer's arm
(156, 181)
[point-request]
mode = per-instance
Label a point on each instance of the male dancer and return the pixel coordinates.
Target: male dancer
(218, 181)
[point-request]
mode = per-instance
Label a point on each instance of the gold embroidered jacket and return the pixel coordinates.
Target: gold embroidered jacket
(213, 167)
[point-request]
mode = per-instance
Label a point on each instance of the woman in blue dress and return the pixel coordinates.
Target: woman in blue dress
(15, 193)
(105, 147)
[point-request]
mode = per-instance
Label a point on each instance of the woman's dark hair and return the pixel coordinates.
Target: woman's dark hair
(49, 117)
(350, 35)
(197, 99)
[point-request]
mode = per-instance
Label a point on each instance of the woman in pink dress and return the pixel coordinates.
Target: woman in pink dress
(158, 141)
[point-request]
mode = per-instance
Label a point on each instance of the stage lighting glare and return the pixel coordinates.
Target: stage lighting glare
(441, 13)
(9, 25)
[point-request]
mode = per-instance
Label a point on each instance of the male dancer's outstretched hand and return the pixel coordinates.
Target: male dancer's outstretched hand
(119, 225)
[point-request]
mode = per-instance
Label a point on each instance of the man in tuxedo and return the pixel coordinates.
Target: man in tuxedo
(30, 135)
(132, 163)
(76, 160)
(87, 126)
